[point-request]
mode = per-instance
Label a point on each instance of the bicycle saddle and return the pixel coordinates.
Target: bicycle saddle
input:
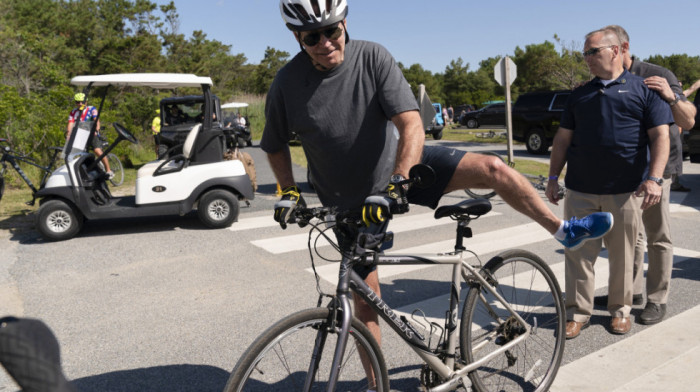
(465, 209)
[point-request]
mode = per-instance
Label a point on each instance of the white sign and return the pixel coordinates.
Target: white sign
(499, 71)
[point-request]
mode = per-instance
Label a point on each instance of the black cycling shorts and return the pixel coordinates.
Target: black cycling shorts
(444, 162)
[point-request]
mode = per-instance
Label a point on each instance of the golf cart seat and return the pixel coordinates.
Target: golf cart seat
(175, 163)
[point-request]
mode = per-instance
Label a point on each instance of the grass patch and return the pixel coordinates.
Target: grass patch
(298, 156)
(474, 135)
(13, 204)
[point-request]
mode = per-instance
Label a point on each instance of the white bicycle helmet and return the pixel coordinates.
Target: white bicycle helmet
(305, 15)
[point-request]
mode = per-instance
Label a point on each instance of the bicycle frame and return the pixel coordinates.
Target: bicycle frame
(350, 280)
(13, 160)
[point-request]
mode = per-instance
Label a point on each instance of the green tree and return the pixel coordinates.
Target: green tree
(265, 72)
(570, 70)
(537, 66)
(457, 85)
(417, 75)
(686, 68)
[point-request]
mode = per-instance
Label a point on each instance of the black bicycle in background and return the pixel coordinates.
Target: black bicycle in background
(14, 158)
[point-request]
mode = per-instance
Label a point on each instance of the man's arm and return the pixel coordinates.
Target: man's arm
(692, 89)
(281, 164)
(659, 149)
(411, 140)
(557, 160)
(683, 111)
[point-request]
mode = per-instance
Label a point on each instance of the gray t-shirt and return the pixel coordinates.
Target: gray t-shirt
(675, 156)
(342, 118)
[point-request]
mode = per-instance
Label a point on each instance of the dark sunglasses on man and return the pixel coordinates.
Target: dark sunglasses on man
(333, 32)
(594, 51)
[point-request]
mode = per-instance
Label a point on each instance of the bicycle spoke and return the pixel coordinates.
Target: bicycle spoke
(526, 283)
(300, 349)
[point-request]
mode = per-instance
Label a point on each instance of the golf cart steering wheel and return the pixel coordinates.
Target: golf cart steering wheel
(124, 134)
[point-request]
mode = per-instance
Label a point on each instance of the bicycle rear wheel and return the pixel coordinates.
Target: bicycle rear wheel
(487, 193)
(529, 286)
(116, 166)
(280, 359)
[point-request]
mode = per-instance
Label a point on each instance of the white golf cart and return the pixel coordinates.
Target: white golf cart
(242, 131)
(198, 178)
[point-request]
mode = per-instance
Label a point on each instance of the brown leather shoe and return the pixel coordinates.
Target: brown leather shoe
(573, 328)
(620, 325)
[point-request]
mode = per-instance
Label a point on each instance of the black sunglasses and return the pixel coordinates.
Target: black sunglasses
(312, 39)
(594, 51)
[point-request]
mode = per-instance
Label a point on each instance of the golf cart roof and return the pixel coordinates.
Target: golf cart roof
(233, 105)
(154, 80)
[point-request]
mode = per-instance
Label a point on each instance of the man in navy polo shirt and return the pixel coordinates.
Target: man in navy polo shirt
(614, 136)
(657, 219)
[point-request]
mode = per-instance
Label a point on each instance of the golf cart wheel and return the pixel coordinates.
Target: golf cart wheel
(218, 208)
(57, 221)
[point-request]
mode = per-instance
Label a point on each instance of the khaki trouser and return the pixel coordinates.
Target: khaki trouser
(657, 226)
(620, 243)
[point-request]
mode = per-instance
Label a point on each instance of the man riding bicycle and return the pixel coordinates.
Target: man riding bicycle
(83, 112)
(358, 121)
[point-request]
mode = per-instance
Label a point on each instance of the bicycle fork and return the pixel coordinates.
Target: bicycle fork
(339, 321)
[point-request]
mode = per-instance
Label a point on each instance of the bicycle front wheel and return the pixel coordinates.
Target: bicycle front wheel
(116, 166)
(281, 358)
(527, 283)
(477, 193)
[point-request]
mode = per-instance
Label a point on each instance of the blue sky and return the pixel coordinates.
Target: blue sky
(434, 32)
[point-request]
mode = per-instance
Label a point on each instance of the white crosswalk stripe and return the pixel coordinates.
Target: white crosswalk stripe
(295, 242)
(480, 244)
(432, 310)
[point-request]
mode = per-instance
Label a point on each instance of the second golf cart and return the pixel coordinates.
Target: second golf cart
(198, 178)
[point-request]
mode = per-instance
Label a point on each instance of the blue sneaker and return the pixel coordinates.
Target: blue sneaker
(587, 228)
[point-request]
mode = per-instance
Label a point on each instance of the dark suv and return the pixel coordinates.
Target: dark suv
(491, 115)
(536, 118)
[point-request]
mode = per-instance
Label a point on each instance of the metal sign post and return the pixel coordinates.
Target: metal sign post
(505, 72)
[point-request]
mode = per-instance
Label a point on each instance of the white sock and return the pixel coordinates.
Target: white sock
(560, 235)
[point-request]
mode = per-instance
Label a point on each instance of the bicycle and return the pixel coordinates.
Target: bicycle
(115, 164)
(537, 181)
(8, 155)
(510, 335)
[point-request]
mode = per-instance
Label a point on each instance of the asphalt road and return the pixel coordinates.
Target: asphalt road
(167, 305)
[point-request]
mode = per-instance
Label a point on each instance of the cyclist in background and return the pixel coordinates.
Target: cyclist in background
(83, 112)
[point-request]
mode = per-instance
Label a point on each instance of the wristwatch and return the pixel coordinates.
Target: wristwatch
(657, 180)
(675, 101)
(396, 178)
